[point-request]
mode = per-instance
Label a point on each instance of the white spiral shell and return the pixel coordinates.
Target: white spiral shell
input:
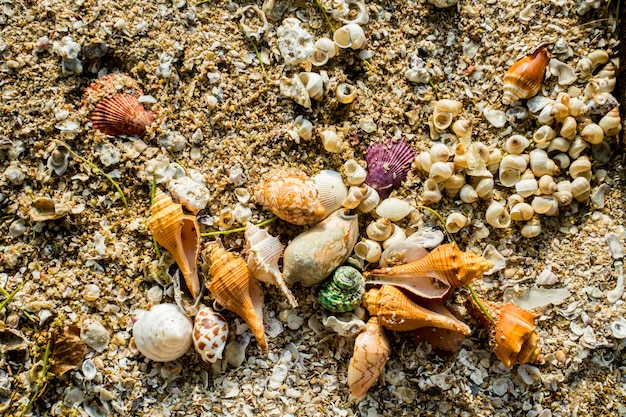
(455, 222)
(497, 215)
(394, 209)
(346, 93)
(355, 173)
(350, 36)
(313, 84)
(568, 129)
(368, 249)
(163, 334)
(210, 331)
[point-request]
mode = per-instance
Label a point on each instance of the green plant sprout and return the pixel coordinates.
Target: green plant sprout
(43, 380)
(432, 84)
(239, 229)
(96, 170)
(330, 24)
(256, 50)
(9, 296)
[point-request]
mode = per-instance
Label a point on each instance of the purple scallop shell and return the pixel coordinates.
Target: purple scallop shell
(388, 164)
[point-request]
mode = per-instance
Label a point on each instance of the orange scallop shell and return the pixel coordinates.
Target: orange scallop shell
(291, 195)
(371, 351)
(234, 288)
(396, 311)
(524, 78)
(122, 114)
(179, 233)
(432, 276)
(515, 339)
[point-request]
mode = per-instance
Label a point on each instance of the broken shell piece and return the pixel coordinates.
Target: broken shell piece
(313, 84)
(263, 253)
(233, 288)
(43, 209)
(179, 234)
(357, 13)
(350, 36)
(515, 340)
(523, 79)
(401, 253)
(564, 72)
(253, 21)
(163, 334)
(295, 44)
(210, 331)
(371, 351)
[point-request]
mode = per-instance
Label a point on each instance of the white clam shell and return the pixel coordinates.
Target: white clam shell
(163, 334)
(331, 189)
(210, 331)
(497, 215)
(355, 173)
(394, 209)
(402, 253)
(350, 36)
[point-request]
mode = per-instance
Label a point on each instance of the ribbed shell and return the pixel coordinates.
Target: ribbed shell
(179, 234)
(446, 266)
(524, 78)
(388, 164)
(371, 351)
(291, 195)
(263, 253)
(398, 312)
(210, 331)
(163, 334)
(343, 290)
(122, 114)
(233, 288)
(515, 339)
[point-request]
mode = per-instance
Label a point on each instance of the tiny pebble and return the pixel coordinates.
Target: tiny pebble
(89, 369)
(92, 292)
(155, 294)
(94, 335)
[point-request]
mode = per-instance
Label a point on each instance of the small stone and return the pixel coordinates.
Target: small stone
(94, 335)
(615, 245)
(547, 277)
(92, 292)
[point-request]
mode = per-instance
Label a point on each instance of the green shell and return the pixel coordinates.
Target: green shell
(343, 290)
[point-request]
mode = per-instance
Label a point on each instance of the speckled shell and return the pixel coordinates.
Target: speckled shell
(371, 351)
(179, 234)
(388, 164)
(515, 339)
(163, 334)
(263, 253)
(432, 276)
(524, 78)
(121, 115)
(314, 254)
(291, 195)
(396, 311)
(343, 290)
(210, 331)
(233, 288)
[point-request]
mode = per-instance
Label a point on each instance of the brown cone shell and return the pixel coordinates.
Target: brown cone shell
(524, 78)
(371, 351)
(122, 114)
(515, 339)
(179, 234)
(396, 311)
(234, 288)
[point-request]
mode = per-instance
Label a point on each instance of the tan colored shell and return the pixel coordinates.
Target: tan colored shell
(515, 339)
(396, 311)
(432, 277)
(291, 195)
(44, 208)
(524, 78)
(179, 233)
(371, 351)
(233, 288)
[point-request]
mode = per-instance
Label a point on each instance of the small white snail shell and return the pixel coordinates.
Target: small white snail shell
(559, 112)
(516, 144)
(397, 235)
(442, 120)
(543, 136)
(563, 193)
(462, 128)
(323, 50)
(468, 194)
(313, 84)
(547, 185)
(355, 197)
(558, 144)
(369, 250)
(592, 133)
(545, 204)
(424, 161)
(380, 229)
(522, 212)
(350, 36)
(568, 129)
(210, 331)
(577, 146)
(242, 194)
(581, 189)
(453, 184)
(509, 177)
(394, 209)
(497, 215)
(514, 199)
(580, 168)
(447, 105)
(527, 185)
(355, 173)
(532, 228)
(611, 122)
(455, 222)
(331, 141)
(346, 93)
(545, 116)
(163, 334)
(484, 187)
(541, 164)
(370, 202)
(305, 128)
(431, 193)
(561, 160)
(439, 152)
(510, 169)
(441, 171)
(576, 107)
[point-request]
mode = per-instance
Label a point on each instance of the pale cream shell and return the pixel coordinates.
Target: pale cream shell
(355, 173)
(163, 334)
(370, 202)
(368, 249)
(380, 229)
(455, 222)
(497, 215)
(397, 235)
(350, 36)
(331, 190)
(346, 93)
(313, 84)
(532, 228)
(394, 209)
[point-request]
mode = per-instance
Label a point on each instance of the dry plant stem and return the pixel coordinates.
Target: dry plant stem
(256, 50)
(44, 379)
(96, 170)
(239, 229)
(470, 286)
(157, 250)
(370, 65)
(319, 4)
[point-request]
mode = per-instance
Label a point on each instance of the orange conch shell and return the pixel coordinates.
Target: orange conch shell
(233, 288)
(291, 195)
(398, 312)
(446, 266)
(179, 233)
(122, 114)
(515, 339)
(444, 341)
(371, 351)
(524, 78)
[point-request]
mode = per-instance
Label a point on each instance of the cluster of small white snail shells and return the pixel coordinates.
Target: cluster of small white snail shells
(444, 112)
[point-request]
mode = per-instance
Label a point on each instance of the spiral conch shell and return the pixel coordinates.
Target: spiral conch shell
(314, 254)
(515, 339)
(524, 78)
(264, 251)
(210, 331)
(291, 195)
(179, 233)
(396, 311)
(371, 351)
(445, 267)
(163, 334)
(233, 288)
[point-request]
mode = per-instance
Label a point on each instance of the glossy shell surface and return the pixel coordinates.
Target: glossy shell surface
(524, 78)
(121, 115)
(163, 334)
(515, 339)
(343, 290)
(371, 351)
(210, 331)
(388, 164)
